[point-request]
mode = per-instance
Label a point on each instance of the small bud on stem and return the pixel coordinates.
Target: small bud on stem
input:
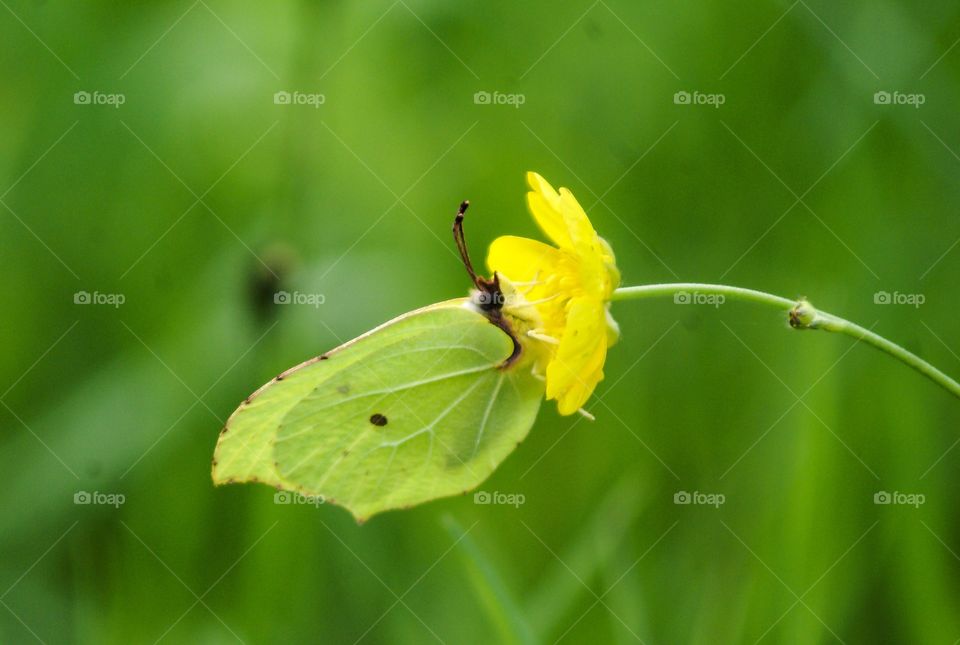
(803, 315)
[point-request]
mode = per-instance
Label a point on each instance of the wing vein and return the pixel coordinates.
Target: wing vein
(389, 390)
(428, 428)
(486, 414)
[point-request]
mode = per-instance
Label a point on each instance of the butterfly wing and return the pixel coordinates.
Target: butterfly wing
(417, 409)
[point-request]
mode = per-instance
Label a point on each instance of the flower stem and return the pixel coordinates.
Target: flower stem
(800, 314)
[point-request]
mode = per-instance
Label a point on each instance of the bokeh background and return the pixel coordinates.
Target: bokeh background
(178, 185)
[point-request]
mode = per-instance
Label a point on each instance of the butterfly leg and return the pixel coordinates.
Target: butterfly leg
(529, 283)
(586, 414)
(542, 300)
(538, 334)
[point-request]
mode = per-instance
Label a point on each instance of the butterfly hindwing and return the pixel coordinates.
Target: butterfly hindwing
(418, 409)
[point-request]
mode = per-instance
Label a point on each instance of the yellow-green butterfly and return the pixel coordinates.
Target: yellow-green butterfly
(422, 407)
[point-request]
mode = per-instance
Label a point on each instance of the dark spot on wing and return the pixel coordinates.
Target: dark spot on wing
(293, 369)
(343, 389)
(378, 419)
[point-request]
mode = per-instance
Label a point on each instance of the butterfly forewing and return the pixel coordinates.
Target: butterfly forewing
(419, 408)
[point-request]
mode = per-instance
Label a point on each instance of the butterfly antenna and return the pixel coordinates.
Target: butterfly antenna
(489, 298)
(462, 242)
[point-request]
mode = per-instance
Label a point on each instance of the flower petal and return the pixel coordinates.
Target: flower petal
(592, 252)
(520, 258)
(578, 225)
(577, 366)
(547, 209)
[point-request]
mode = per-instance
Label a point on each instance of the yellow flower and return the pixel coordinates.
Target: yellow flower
(557, 299)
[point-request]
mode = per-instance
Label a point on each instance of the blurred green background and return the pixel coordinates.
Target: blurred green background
(199, 197)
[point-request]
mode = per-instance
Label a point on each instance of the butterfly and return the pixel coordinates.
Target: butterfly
(424, 406)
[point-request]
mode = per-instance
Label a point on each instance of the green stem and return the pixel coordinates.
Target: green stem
(800, 314)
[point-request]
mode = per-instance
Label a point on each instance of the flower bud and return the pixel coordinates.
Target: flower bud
(802, 315)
